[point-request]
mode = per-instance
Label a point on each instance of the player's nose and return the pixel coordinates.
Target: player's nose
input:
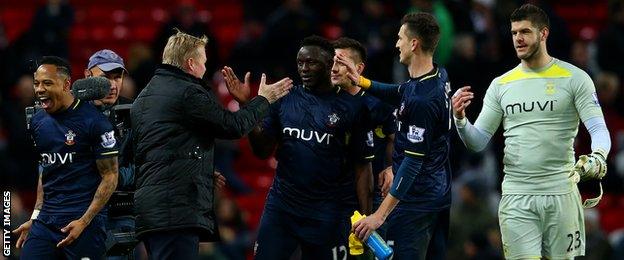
(39, 89)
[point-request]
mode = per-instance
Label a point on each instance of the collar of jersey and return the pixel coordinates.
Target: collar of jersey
(543, 68)
(428, 75)
(71, 107)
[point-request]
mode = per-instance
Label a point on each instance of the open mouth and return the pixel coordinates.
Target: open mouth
(46, 102)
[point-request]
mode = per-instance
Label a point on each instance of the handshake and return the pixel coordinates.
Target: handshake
(590, 167)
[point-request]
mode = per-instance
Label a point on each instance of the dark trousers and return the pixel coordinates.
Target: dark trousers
(174, 245)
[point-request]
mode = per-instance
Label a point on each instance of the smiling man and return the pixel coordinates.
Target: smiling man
(539, 102)
(79, 171)
(318, 134)
(381, 121)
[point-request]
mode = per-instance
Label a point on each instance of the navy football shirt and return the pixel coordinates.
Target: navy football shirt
(423, 130)
(315, 132)
(69, 143)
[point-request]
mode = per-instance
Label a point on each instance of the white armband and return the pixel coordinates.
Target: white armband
(35, 214)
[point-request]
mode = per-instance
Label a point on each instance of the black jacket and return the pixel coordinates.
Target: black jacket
(175, 121)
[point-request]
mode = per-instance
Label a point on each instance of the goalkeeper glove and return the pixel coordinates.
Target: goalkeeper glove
(592, 166)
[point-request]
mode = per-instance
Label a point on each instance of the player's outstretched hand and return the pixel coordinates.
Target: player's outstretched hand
(239, 90)
(22, 230)
(385, 180)
(461, 100)
(275, 91)
(219, 180)
(74, 228)
(352, 72)
(365, 227)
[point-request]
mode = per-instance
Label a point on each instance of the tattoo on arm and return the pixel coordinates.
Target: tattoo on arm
(109, 170)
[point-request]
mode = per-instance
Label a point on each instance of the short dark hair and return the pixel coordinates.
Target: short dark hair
(348, 43)
(62, 65)
(320, 42)
(424, 27)
(531, 13)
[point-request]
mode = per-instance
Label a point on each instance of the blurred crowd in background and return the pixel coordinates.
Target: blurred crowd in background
(264, 36)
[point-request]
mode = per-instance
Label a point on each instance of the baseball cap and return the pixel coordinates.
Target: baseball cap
(106, 60)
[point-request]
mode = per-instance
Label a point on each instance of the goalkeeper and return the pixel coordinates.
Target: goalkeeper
(540, 102)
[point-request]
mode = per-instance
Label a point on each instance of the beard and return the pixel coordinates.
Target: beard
(531, 53)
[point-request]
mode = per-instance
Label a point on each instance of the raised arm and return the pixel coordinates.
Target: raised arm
(388, 93)
(476, 137)
(203, 110)
(262, 143)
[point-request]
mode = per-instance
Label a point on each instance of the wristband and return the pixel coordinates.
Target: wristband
(364, 82)
(460, 123)
(35, 214)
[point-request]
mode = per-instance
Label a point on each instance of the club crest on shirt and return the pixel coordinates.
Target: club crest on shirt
(550, 88)
(69, 137)
(415, 134)
(108, 139)
(333, 119)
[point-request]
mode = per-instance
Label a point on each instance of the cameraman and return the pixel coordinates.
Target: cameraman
(106, 63)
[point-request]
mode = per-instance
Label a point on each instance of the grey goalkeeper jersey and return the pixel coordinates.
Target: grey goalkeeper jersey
(540, 110)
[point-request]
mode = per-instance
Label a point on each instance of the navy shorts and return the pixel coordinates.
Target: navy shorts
(43, 238)
(418, 235)
(281, 233)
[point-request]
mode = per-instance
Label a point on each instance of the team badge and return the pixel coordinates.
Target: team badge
(369, 139)
(550, 88)
(333, 119)
(69, 137)
(108, 139)
(415, 134)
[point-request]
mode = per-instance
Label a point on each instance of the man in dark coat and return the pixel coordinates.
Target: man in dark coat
(175, 121)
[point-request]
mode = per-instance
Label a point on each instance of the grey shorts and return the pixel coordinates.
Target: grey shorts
(535, 226)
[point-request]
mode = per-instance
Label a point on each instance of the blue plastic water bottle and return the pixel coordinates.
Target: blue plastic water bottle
(379, 247)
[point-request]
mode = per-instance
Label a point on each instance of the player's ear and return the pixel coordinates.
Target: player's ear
(360, 67)
(67, 84)
(189, 64)
(415, 43)
(544, 33)
(87, 73)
